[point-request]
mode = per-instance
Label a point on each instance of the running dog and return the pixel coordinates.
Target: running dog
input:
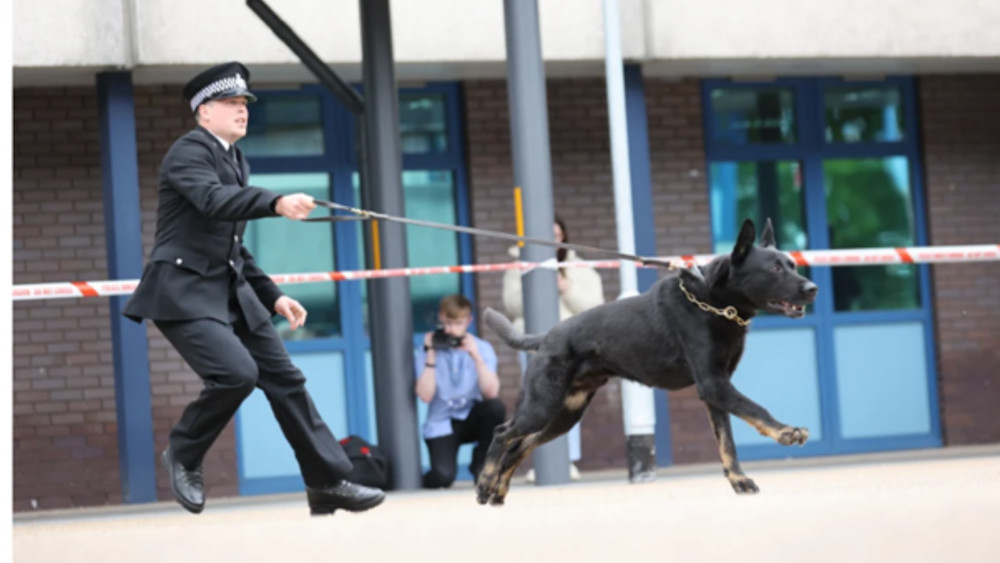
(688, 329)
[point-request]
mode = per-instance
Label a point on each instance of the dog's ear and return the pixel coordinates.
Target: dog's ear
(744, 242)
(767, 236)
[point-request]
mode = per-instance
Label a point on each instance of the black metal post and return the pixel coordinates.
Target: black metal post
(529, 126)
(390, 313)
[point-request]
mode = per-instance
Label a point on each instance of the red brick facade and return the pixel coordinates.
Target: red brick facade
(960, 121)
(65, 440)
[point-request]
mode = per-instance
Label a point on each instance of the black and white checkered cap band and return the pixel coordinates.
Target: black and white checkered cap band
(221, 85)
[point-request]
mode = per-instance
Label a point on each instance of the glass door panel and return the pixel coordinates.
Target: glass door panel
(869, 203)
(281, 246)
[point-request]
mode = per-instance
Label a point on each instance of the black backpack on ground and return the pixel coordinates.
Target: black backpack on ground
(371, 465)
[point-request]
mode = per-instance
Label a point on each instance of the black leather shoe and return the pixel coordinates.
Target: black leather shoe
(344, 494)
(188, 485)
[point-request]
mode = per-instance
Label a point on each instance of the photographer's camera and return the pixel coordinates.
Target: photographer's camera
(442, 340)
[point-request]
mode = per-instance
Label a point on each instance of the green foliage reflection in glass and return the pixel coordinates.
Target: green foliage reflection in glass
(869, 204)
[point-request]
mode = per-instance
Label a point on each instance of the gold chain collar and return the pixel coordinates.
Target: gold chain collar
(729, 312)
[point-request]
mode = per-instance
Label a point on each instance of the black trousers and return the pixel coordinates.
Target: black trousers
(231, 360)
(477, 427)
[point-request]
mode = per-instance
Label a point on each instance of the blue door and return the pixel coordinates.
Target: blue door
(303, 141)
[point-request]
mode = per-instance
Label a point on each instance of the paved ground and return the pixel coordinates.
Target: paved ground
(929, 506)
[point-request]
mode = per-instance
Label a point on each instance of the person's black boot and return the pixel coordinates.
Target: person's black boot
(187, 485)
(343, 494)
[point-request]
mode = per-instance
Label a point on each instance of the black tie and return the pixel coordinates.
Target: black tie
(236, 161)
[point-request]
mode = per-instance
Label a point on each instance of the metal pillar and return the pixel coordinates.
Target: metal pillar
(638, 407)
(123, 237)
(529, 125)
(388, 299)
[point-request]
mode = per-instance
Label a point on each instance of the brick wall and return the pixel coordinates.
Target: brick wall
(65, 445)
(960, 120)
(64, 426)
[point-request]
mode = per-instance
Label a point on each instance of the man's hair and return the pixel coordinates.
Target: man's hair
(453, 306)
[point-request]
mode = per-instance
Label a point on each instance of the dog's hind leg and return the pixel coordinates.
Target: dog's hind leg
(542, 398)
(495, 455)
(571, 413)
(727, 451)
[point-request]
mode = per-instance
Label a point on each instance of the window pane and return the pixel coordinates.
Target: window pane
(743, 116)
(869, 114)
(757, 191)
(422, 123)
(284, 126)
(281, 246)
(869, 204)
(429, 196)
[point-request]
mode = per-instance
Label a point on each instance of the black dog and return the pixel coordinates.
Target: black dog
(688, 329)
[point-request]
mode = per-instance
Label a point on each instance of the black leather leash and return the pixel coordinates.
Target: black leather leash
(364, 215)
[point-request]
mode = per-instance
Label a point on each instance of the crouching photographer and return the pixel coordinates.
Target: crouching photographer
(456, 375)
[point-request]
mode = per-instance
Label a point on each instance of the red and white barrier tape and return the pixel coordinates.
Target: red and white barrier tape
(848, 257)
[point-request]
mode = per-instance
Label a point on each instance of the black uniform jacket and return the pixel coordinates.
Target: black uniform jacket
(198, 260)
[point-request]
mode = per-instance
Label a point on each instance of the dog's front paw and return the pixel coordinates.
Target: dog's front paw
(790, 436)
(743, 485)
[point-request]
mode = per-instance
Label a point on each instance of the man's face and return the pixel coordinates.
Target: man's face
(455, 326)
(227, 117)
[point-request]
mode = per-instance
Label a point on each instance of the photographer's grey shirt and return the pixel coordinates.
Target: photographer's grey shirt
(457, 385)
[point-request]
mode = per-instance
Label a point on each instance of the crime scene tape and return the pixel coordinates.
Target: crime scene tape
(844, 257)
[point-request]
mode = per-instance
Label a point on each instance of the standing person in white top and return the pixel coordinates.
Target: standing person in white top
(580, 289)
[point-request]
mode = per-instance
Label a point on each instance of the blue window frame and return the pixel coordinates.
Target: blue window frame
(306, 136)
(807, 141)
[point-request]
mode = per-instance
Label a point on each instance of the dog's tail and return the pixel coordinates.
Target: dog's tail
(513, 337)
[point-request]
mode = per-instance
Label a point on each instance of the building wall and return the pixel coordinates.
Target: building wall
(92, 33)
(960, 119)
(65, 437)
(65, 443)
(164, 37)
(725, 29)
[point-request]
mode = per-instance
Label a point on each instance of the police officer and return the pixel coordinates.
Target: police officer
(203, 291)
